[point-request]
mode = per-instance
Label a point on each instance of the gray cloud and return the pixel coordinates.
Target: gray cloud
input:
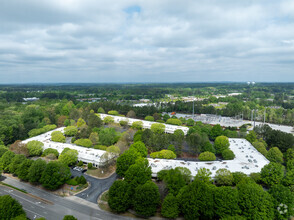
(154, 41)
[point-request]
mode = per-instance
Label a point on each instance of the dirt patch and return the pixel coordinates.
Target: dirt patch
(102, 172)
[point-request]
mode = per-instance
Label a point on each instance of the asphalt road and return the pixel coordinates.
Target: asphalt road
(60, 206)
(97, 187)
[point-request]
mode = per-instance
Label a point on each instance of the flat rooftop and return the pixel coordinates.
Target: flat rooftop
(248, 160)
(87, 155)
(146, 124)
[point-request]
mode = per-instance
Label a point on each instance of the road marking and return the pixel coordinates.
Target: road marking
(27, 200)
(33, 212)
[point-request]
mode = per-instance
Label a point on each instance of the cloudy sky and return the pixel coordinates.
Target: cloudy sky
(146, 41)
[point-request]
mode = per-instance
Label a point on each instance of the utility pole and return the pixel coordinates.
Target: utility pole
(254, 118)
(251, 115)
(193, 107)
(264, 116)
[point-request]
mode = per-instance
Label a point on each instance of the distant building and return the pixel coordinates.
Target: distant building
(31, 99)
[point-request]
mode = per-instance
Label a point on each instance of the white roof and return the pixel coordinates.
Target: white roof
(146, 124)
(248, 160)
(87, 155)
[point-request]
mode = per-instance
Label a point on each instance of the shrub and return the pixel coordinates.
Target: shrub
(228, 154)
(113, 112)
(108, 120)
(224, 177)
(70, 131)
(35, 148)
(138, 136)
(80, 163)
(149, 118)
(90, 165)
(138, 125)
(50, 151)
(123, 123)
(207, 156)
(158, 128)
(100, 147)
(72, 182)
(57, 137)
(163, 154)
(73, 140)
(174, 121)
(38, 131)
(100, 110)
(84, 143)
(256, 177)
(238, 177)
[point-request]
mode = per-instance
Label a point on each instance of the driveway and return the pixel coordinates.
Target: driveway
(97, 186)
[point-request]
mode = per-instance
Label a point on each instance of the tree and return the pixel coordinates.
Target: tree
(282, 196)
(23, 169)
(177, 178)
(221, 143)
(94, 121)
(94, 138)
(197, 200)
(158, 128)
(204, 175)
(272, 173)
(170, 207)
(146, 199)
(15, 162)
(125, 160)
(68, 156)
(290, 164)
(195, 141)
(108, 136)
(19, 148)
(260, 147)
(289, 178)
(178, 137)
(289, 155)
(138, 173)
(251, 137)
(35, 148)
(275, 155)
(216, 131)
(224, 177)
(238, 177)
(108, 120)
(149, 118)
(228, 154)
(119, 196)
(55, 174)
(3, 149)
(208, 147)
(138, 125)
(226, 201)
(131, 114)
(80, 122)
(101, 110)
(254, 202)
(84, 142)
(50, 151)
(70, 131)
(6, 160)
(36, 170)
(207, 156)
(190, 122)
(156, 116)
(140, 147)
(10, 208)
(57, 137)
(69, 217)
(113, 150)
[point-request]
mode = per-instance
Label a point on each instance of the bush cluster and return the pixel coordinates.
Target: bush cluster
(163, 154)
(38, 131)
